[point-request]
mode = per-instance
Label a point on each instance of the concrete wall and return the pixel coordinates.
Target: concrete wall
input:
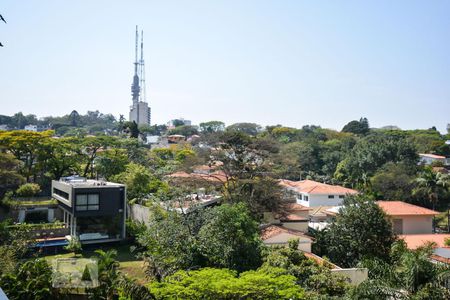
(300, 226)
(140, 213)
(283, 239)
(354, 275)
(416, 224)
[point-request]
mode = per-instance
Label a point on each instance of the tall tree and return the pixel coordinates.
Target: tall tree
(361, 229)
(432, 184)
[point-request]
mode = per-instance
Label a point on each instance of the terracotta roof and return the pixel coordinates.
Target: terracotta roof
(416, 240)
(319, 211)
(314, 187)
(274, 230)
(296, 207)
(400, 208)
(292, 217)
(432, 155)
(440, 259)
(319, 260)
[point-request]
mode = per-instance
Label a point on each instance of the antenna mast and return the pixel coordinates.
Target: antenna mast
(142, 70)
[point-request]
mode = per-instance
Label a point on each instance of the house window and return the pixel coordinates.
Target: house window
(341, 196)
(60, 193)
(398, 226)
(306, 198)
(300, 197)
(330, 196)
(86, 202)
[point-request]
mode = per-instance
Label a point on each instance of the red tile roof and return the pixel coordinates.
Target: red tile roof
(400, 208)
(432, 155)
(416, 240)
(296, 207)
(293, 217)
(274, 230)
(314, 187)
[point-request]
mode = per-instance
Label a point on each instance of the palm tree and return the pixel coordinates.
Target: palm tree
(410, 275)
(432, 184)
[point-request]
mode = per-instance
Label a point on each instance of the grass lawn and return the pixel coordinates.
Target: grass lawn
(129, 265)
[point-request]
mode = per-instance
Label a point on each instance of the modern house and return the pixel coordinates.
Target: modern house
(95, 211)
(428, 159)
(311, 193)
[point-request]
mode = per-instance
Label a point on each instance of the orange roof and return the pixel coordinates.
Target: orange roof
(314, 187)
(296, 207)
(274, 230)
(292, 217)
(416, 240)
(432, 155)
(400, 208)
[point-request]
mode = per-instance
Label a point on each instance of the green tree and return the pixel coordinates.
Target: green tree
(28, 190)
(224, 284)
(74, 245)
(432, 184)
(308, 273)
(394, 181)
(410, 274)
(140, 182)
(251, 129)
(32, 280)
(229, 238)
(360, 230)
(370, 154)
(212, 126)
(9, 172)
(360, 127)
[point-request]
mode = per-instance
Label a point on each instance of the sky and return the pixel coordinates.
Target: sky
(269, 62)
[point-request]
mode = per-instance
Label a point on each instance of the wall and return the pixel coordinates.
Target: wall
(283, 239)
(140, 213)
(300, 226)
(354, 275)
(320, 200)
(416, 224)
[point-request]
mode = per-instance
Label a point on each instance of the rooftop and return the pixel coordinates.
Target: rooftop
(432, 155)
(416, 240)
(400, 208)
(79, 181)
(314, 187)
(274, 230)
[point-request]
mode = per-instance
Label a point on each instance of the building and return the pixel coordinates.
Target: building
(408, 218)
(95, 211)
(275, 235)
(178, 122)
(139, 111)
(31, 128)
(428, 159)
(311, 193)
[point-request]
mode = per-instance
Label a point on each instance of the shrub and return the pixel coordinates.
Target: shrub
(28, 190)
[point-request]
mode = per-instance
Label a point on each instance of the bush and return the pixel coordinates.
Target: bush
(74, 245)
(28, 190)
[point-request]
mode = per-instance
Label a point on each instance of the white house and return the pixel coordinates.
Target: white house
(311, 193)
(428, 159)
(31, 127)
